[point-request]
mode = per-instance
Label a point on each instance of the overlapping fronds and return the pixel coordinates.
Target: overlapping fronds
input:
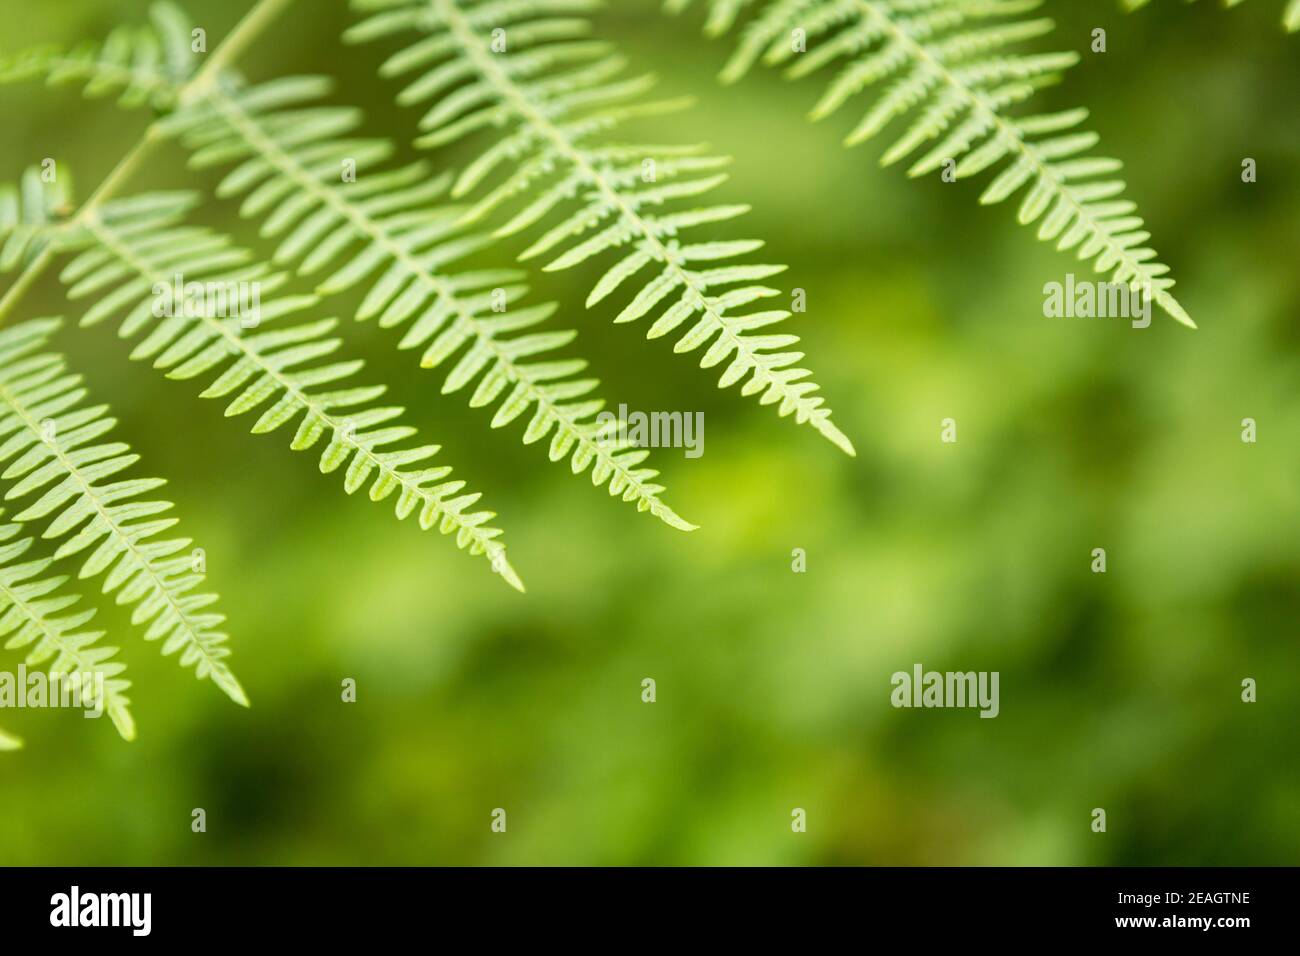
(204, 307)
(1290, 15)
(30, 213)
(530, 74)
(396, 224)
(142, 65)
(390, 231)
(954, 73)
(30, 605)
(51, 447)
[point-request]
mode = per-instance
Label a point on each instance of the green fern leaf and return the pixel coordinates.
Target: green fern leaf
(50, 442)
(28, 605)
(390, 233)
(143, 66)
(1290, 15)
(135, 247)
(954, 76)
(552, 95)
(389, 217)
(31, 215)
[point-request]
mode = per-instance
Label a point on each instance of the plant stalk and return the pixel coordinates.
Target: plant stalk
(244, 33)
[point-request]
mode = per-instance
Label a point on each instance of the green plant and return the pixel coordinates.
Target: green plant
(955, 77)
(554, 95)
(392, 230)
(51, 446)
(525, 84)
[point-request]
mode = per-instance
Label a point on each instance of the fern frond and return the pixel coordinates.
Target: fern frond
(134, 247)
(954, 75)
(30, 216)
(50, 442)
(450, 315)
(390, 233)
(28, 605)
(143, 66)
(1290, 16)
(553, 95)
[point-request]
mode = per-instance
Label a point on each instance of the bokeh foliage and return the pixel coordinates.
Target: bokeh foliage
(1118, 691)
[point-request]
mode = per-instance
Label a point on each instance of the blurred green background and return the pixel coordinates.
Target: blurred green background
(1119, 691)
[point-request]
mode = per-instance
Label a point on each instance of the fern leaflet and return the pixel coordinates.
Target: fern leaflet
(954, 73)
(291, 145)
(133, 247)
(290, 153)
(50, 445)
(530, 71)
(28, 605)
(31, 215)
(143, 66)
(722, 13)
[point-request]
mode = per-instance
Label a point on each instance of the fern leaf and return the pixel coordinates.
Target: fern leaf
(143, 66)
(449, 315)
(390, 233)
(28, 608)
(954, 76)
(51, 446)
(1290, 15)
(136, 246)
(31, 215)
(552, 95)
